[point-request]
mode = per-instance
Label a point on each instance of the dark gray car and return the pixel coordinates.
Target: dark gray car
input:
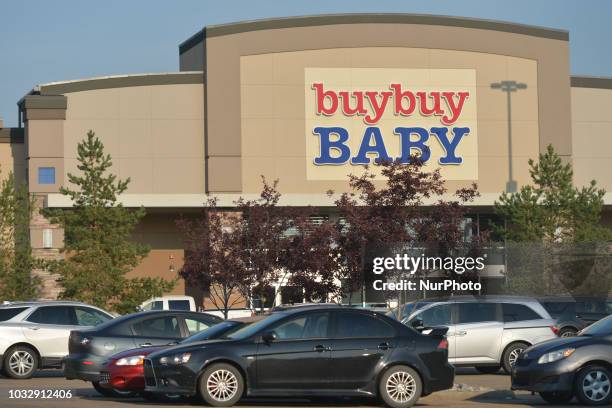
(90, 348)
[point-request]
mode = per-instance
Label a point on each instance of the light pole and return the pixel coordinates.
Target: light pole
(509, 87)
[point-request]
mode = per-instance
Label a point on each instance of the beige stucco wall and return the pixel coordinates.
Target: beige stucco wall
(12, 159)
(340, 45)
(154, 134)
(274, 124)
(592, 136)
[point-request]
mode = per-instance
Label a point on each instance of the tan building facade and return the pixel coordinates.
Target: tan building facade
(308, 100)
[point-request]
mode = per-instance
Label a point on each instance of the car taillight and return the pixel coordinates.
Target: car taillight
(443, 345)
(555, 330)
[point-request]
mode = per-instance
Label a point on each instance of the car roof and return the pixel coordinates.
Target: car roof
(31, 303)
(486, 298)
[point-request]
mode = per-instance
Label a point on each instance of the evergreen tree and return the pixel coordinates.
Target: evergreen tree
(97, 241)
(555, 243)
(16, 262)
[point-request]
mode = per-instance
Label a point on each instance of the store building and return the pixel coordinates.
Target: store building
(308, 100)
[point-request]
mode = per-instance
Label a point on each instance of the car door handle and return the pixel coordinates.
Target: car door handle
(146, 345)
(33, 328)
(461, 333)
(320, 348)
(384, 346)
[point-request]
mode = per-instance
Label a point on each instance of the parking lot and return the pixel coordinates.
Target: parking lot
(471, 390)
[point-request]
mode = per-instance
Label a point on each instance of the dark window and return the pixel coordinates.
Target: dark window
(9, 313)
(555, 308)
(435, 316)
(518, 313)
(164, 327)
(311, 326)
(358, 325)
(90, 317)
(600, 328)
(477, 312)
(61, 315)
(291, 295)
(157, 305)
(214, 332)
(179, 305)
(46, 175)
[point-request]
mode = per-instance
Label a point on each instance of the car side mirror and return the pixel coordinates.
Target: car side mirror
(269, 336)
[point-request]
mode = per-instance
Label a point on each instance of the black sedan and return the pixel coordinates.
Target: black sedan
(575, 366)
(88, 349)
(311, 352)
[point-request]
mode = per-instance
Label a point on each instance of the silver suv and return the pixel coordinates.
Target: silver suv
(35, 334)
(487, 332)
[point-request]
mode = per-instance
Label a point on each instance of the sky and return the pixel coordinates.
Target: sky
(44, 41)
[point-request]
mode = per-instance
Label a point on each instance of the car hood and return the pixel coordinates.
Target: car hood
(198, 345)
(555, 344)
(140, 351)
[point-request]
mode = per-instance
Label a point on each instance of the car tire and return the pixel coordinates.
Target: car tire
(555, 397)
(20, 362)
(511, 354)
(400, 387)
(221, 385)
(601, 377)
(111, 392)
(568, 332)
(488, 369)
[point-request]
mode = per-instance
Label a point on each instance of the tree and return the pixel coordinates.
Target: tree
(397, 215)
(262, 230)
(16, 261)
(555, 240)
(553, 209)
(98, 248)
(212, 259)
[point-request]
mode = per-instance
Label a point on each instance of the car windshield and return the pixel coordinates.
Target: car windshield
(600, 328)
(213, 332)
(251, 329)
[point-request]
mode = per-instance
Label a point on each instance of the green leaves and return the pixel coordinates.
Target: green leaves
(552, 209)
(98, 248)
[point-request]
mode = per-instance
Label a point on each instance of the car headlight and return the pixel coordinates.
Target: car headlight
(130, 361)
(175, 359)
(556, 355)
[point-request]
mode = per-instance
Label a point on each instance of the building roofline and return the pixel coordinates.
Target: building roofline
(583, 81)
(119, 81)
(216, 30)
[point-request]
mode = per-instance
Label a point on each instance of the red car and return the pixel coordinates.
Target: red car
(124, 372)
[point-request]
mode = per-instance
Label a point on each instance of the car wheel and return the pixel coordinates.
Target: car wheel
(111, 392)
(400, 387)
(221, 385)
(593, 385)
(20, 362)
(567, 332)
(511, 355)
(557, 397)
(488, 369)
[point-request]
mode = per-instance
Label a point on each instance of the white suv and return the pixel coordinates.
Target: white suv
(35, 334)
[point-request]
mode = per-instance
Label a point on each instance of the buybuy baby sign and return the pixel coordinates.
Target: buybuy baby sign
(359, 116)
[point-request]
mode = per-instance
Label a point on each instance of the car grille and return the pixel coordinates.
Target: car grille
(104, 377)
(149, 374)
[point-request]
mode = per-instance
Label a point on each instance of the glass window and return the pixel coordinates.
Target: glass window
(195, 326)
(46, 175)
(358, 325)
(157, 305)
(163, 327)
(600, 328)
(215, 332)
(518, 313)
(179, 305)
(477, 312)
(10, 312)
(435, 316)
(90, 317)
(311, 326)
(60, 315)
